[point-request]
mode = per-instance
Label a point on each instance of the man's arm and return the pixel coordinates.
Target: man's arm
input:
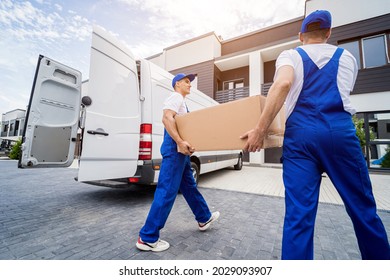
(276, 96)
(170, 125)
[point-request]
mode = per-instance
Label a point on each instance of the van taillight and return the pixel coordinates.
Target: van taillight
(145, 142)
(133, 180)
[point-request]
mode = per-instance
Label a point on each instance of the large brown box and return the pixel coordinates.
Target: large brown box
(220, 127)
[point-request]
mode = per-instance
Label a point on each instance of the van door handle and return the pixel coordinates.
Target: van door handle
(94, 132)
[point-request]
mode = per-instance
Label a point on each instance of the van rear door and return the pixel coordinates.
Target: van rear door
(111, 135)
(50, 131)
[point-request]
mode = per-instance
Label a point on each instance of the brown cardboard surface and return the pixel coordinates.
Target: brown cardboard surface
(220, 127)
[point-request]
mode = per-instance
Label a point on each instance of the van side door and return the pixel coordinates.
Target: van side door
(51, 125)
(111, 135)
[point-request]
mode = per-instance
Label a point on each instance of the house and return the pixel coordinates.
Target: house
(12, 125)
(244, 66)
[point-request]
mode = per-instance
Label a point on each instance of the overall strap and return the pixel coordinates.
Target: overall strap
(337, 54)
(303, 54)
(186, 106)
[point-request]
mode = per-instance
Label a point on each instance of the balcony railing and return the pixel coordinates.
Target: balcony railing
(265, 88)
(224, 96)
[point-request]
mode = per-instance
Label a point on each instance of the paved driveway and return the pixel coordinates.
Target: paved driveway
(268, 181)
(45, 214)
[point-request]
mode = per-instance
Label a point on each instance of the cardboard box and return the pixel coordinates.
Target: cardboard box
(220, 127)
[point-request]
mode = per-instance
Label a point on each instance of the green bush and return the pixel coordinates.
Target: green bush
(360, 133)
(386, 158)
(16, 151)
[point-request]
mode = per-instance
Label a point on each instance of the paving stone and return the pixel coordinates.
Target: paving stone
(45, 214)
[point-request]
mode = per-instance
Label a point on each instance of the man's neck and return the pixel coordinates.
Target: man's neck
(312, 41)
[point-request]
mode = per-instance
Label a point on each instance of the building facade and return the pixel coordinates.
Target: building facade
(12, 125)
(244, 66)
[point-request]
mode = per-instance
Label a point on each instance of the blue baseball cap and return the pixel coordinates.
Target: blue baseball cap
(181, 76)
(321, 16)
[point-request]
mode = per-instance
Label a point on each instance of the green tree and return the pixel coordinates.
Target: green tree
(386, 159)
(16, 151)
(360, 132)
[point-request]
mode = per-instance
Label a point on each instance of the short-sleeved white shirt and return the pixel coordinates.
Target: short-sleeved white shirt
(320, 54)
(176, 102)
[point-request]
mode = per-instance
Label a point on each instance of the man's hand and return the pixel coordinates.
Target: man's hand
(185, 148)
(276, 96)
(170, 125)
(255, 140)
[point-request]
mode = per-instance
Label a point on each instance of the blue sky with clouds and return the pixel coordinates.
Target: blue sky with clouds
(61, 30)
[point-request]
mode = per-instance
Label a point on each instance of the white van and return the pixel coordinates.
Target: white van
(117, 114)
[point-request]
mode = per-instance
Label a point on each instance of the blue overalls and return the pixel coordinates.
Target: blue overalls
(320, 137)
(175, 174)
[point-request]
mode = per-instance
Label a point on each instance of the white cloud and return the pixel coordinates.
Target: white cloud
(62, 30)
(228, 18)
(168, 22)
(58, 7)
(25, 21)
(26, 32)
(13, 102)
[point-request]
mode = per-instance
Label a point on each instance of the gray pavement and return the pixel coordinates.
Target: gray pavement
(267, 180)
(45, 214)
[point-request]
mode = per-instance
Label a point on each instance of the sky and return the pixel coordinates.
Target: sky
(61, 30)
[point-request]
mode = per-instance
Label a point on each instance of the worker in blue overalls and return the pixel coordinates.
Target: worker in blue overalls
(315, 81)
(175, 174)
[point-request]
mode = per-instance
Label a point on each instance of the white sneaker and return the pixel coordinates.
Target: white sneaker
(158, 246)
(206, 225)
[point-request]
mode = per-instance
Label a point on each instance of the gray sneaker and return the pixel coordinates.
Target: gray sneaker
(158, 246)
(206, 225)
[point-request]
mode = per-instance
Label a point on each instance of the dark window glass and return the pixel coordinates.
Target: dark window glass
(374, 51)
(353, 48)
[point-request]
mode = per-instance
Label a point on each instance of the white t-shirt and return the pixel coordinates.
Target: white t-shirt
(320, 54)
(176, 102)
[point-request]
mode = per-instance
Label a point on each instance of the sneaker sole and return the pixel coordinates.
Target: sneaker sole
(145, 247)
(206, 226)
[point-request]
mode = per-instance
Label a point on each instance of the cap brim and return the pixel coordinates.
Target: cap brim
(191, 77)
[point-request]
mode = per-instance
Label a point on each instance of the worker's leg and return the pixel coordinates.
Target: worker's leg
(348, 172)
(167, 188)
(302, 184)
(302, 179)
(192, 195)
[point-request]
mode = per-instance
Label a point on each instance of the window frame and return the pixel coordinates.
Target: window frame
(360, 40)
(235, 81)
(386, 47)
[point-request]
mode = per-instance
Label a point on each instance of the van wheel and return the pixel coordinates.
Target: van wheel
(238, 166)
(195, 171)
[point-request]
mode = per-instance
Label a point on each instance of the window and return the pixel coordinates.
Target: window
(353, 48)
(369, 51)
(17, 126)
(233, 84)
(374, 51)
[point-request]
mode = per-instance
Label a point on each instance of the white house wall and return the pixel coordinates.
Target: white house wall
(197, 51)
(13, 115)
(371, 102)
(256, 70)
(349, 11)
(159, 60)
